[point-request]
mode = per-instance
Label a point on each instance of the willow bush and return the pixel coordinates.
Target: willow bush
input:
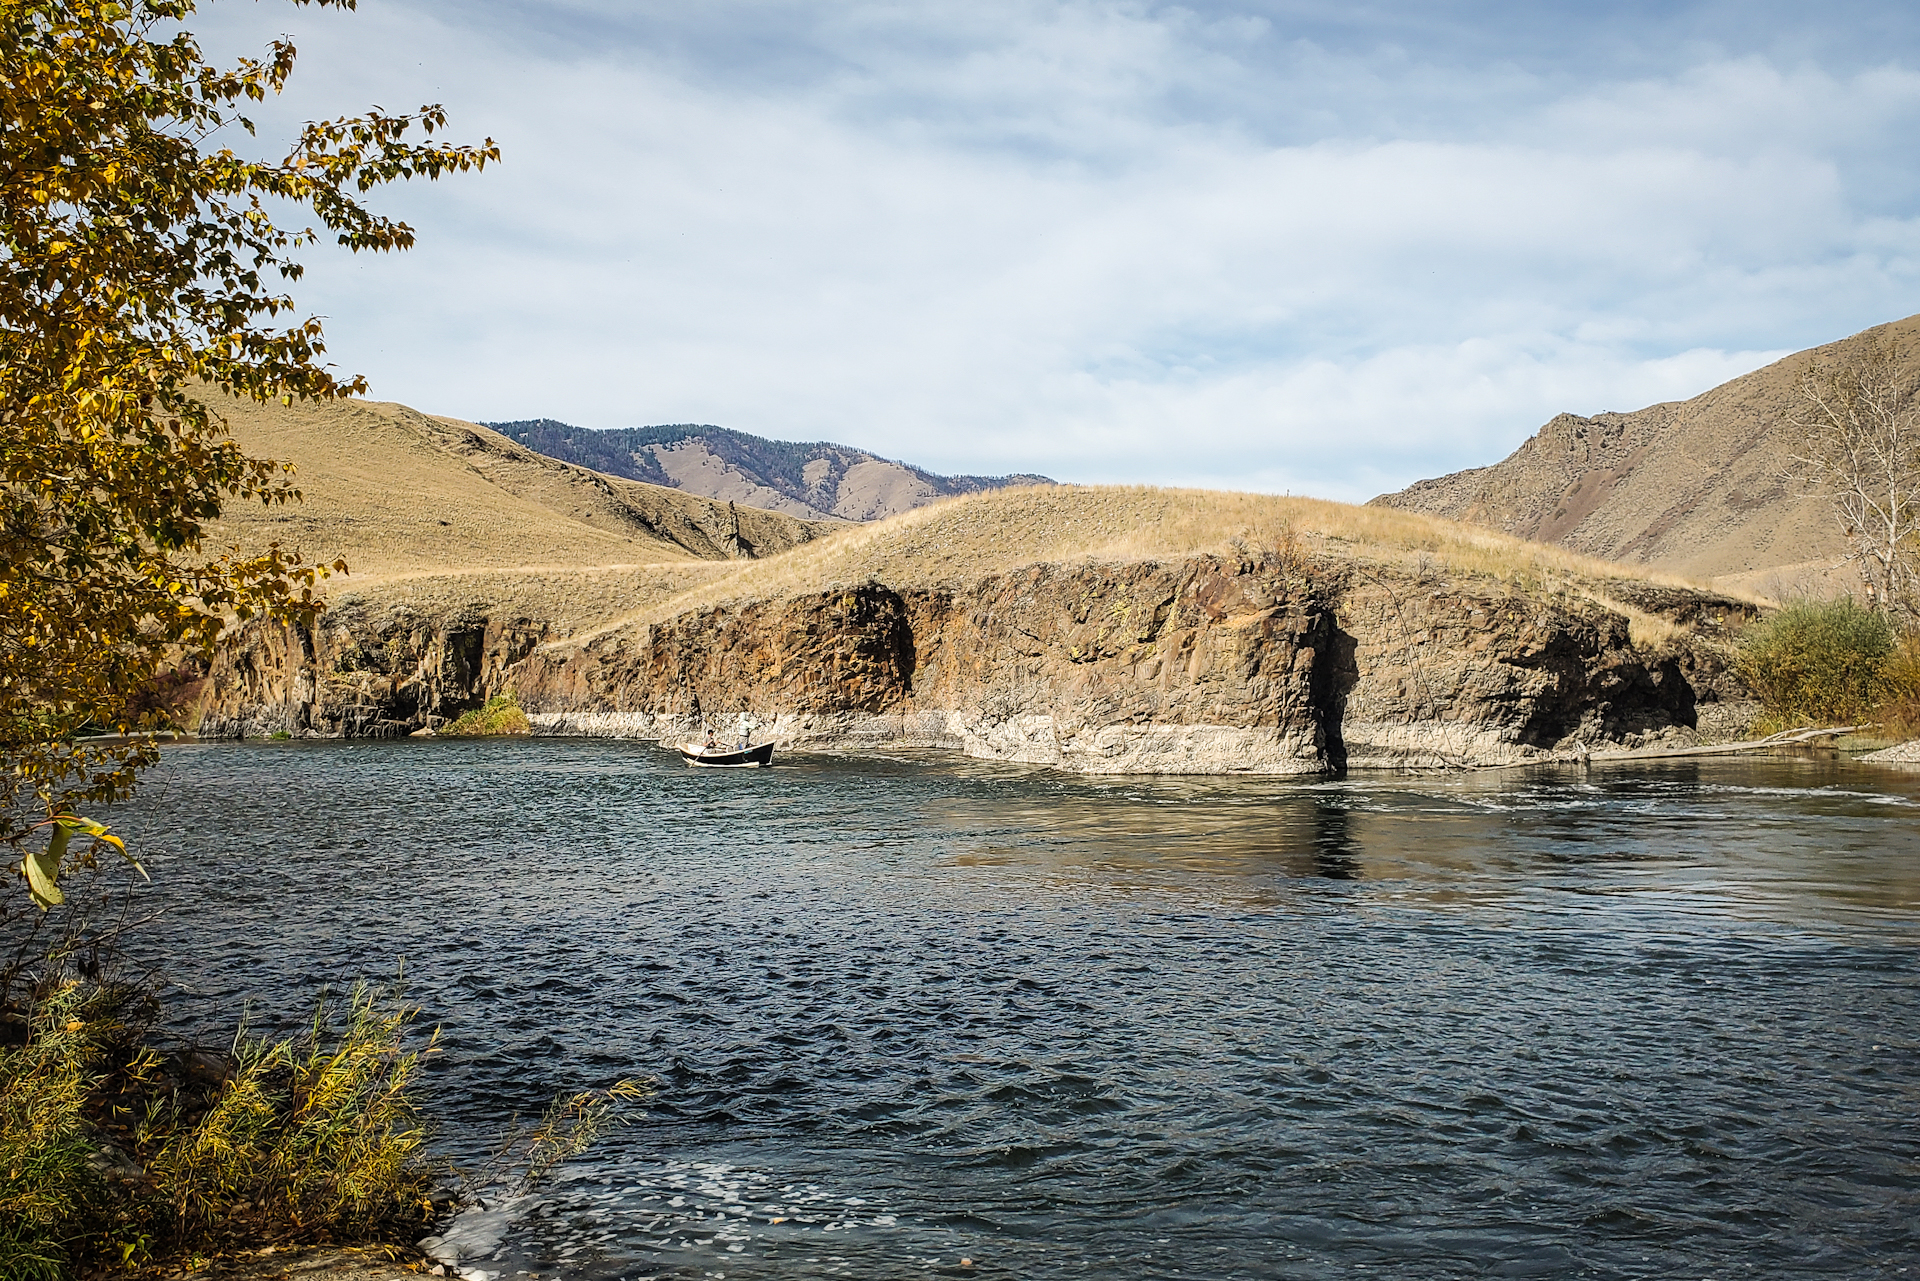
(116, 1156)
(50, 1194)
(113, 1155)
(1820, 663)
(311, 1138)
(1900, 710)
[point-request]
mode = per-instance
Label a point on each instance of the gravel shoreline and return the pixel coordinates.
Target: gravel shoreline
(1907, 753)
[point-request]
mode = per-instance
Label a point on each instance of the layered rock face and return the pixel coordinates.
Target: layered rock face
(1206, 666)
(360, 673)
(1202, 665)
(1106, 669)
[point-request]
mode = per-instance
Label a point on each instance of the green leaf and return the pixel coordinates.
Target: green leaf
(43, 869)
(98, 831)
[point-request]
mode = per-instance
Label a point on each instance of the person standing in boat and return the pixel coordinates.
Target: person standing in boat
(746, 730)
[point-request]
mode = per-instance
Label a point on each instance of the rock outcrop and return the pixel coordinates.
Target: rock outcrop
(1206, 664)
(361, 672)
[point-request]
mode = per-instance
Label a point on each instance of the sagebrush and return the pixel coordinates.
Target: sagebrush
(1820, 663)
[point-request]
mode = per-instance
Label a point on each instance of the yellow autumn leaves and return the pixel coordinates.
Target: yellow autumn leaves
(139, 269)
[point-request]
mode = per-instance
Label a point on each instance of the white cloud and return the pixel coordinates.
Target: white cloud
(1097, 240)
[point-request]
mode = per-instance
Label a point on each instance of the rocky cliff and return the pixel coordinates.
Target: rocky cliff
(362, 671)
(1267, 662)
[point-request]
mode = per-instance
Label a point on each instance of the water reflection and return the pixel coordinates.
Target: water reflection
(1801, 842)
(1336, 852)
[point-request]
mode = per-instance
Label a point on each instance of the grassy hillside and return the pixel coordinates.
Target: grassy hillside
(1692, 487)
(403, 494)
(1001, 531)
(440, 516)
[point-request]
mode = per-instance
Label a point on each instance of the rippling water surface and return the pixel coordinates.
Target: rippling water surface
(1658, 1022)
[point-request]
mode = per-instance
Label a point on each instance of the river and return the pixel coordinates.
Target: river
(1647, 1021)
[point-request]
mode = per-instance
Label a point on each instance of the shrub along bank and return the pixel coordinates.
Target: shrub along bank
(1831, 663)
(118, 1157)
(500, 716)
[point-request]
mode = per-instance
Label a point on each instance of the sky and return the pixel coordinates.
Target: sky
(1278, 245)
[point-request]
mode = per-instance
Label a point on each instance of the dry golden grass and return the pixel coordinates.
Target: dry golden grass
(567, 599)
(978, 535)
(440, 517)
(397, 492)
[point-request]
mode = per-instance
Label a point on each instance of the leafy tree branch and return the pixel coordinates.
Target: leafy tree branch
(141, 273)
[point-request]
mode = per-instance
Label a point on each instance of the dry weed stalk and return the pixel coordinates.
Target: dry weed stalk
(567, 1128)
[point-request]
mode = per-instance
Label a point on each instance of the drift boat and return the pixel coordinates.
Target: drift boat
(727, 757)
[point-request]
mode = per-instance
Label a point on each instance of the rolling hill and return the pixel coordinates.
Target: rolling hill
(1695, 487)
(451, 514)
(396, 491)
(814, 481)
(1104, 630)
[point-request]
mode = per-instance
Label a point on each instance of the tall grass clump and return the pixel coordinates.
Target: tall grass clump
(1819, 663)
(311, 1138)
(114, 1155)
(50, 1194)
(119, 1157)
(500, 716)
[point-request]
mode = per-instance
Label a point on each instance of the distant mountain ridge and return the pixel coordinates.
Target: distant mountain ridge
(813, 481)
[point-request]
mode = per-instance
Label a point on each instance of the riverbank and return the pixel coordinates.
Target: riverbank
(327, 1263)
(1095, 631)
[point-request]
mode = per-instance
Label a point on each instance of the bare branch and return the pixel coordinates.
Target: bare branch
(1860, 419)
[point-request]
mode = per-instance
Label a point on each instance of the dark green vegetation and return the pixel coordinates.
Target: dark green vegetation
(500, 716)
(1831, 663)
(778, 464)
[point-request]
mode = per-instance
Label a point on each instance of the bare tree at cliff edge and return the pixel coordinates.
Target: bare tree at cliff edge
(1860, 416)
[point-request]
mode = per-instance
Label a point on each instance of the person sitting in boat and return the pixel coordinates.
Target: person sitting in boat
(711, 745)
